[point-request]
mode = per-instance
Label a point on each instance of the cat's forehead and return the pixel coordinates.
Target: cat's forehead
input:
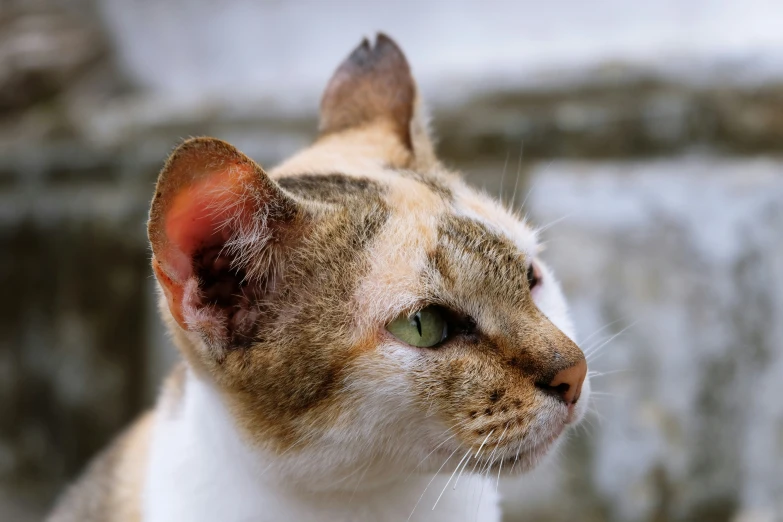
(432, 224)
(408, 193)
(415, 201)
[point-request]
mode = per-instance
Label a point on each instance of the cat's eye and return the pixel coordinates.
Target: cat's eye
(424, 329)
(533, 275)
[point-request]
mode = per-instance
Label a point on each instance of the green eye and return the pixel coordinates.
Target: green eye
(424, 329)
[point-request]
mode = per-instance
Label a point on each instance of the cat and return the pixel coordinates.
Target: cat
(364, 336)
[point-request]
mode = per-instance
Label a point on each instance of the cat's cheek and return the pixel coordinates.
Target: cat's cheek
(399, 354)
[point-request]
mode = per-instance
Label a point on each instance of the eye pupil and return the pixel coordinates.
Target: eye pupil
(424, 329)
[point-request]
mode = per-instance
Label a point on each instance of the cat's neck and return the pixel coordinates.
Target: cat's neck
(201, 469)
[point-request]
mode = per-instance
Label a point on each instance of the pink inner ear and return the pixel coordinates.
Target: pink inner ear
(196, 219)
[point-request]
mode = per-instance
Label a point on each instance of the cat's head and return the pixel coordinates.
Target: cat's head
(360, 303)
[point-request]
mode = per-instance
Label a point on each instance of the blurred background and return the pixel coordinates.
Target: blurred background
(646, 137)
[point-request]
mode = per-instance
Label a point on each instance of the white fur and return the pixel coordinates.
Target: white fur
(201, 470)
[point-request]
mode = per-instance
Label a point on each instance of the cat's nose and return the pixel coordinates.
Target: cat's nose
(567, 383)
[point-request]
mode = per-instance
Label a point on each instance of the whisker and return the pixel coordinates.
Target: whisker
(460, 423)
(583, 426)
(519, 171)
(353, 494)
(488, 467)
(473, 469)
(595, 375)
(598, 331)
(478, 504)
(588, 422)
(460, 473)
(467, 455)
(430, 453)
(349, 475)
(503, 177)
(530, 190)
(497, 445)
(553, 223)
(493, 451)
(482, 444)
(516, 458)
(431, 402)
(598, 416)
(430, 482)
(592, 352)
(500, 468)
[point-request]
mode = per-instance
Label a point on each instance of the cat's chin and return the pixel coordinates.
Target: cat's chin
(531, 456)
(512, 464)
(526, 460)
(511, 459)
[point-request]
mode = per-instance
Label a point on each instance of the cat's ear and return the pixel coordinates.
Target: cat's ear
(218, 226)
(374, 86)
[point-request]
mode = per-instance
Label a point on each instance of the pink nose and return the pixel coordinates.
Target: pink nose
(567, 384)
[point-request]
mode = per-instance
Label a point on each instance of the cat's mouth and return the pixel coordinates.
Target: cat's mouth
(507, 449)
(525, 458)
(506, 460)
(506, 455)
